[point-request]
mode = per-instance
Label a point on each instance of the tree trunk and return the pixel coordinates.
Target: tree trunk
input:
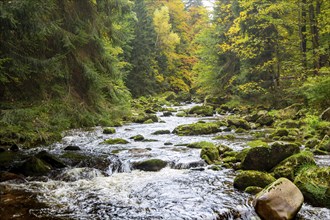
(315, 35)
(302, 33)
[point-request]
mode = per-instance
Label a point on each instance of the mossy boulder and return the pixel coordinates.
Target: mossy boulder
(109, 131)
(181, 114)
(252, 178)
(290, 124)
(115, 141)
(149, 121)
(289, 167)
(239, 123)
(265, 158)
(324, 145)
(281, 132)
(210, 154)
(143, 118)
(257, 143)
(138, 137)
(197, 129)
(202, 110)
(33, 167)
(50, 159)
(253, 190)
(225, 137)
(314, 183)
(159, 132)
(150, 165)
(265, 120)
(312, 143)
(200, 144)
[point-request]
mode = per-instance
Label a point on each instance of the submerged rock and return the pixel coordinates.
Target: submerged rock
(280, 200)
(264, 158)
(252, 178)
(197, 129)
(161, 132)
(150, 165)
(314, 183)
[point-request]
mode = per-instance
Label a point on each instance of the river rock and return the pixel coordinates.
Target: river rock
(161, 132)
(109, 131)
(113, 141)
(239, 123)
(210, 153)
(197, 128)
(150, 165)
(201, 144)
(201, 110)
(264, 158)
(252, 178)
(289, 167)
(72, 148)
(314, 183)
(138, 137)
(33, 167)
(325, 115)
(280, 200)
(6, 176)
(14, 148)
(50, 159)
(167, 114)
(266, 120)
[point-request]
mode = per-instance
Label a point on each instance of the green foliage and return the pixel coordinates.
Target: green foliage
(317, 92)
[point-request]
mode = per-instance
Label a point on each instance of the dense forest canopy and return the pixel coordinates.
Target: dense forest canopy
(66, 64)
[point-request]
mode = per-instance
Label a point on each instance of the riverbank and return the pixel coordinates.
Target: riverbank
(103, 180)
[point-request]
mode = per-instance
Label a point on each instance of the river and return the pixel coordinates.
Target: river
(185, 189)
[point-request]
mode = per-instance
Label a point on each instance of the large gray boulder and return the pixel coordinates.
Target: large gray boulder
(280, 200)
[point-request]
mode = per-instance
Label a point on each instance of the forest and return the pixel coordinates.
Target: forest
(81, 64)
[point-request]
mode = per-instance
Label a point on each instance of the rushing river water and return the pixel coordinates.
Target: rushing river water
(185, 189)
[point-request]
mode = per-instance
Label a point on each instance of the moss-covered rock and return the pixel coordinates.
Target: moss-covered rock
(210, 153)
(252, 178)
(197, 129)
(265, 120)
(312, 143)
(289, 167)
(253, 190)
(257, 143)
(52, 160)
(239, 123)
(159, 132)
(143, 118)
(201, 110)
(324, 145)
(201, 144)
(224, 137)
(33, 167)
(314, 183)
(109, 131)
(181, 114)
(281, 132)
(115, 141)
(138, 137)
(240, 130)
(290, 124)
(265, 158)
(150, 165)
